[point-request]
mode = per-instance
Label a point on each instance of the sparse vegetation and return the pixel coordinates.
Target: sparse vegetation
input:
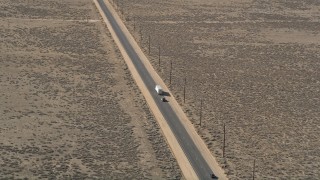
(69, 107)
(255, 64)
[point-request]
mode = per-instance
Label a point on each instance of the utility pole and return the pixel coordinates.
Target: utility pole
(184, 90)
(134, 23)
(122, 9)
(170, 70)
(224, 140)
(254, 169)
(149, 44)
(140, 31)
(117, 5)
(201, 102)
(159, 56)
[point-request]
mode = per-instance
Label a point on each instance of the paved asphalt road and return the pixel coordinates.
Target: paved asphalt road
(196, 159)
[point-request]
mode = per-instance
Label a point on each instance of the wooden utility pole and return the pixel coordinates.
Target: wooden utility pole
(184, 90)
(224, 140)
(134, 23)
(159, 56)
(149, 44)
(170, 70)
(254, 169)
(201, 102)
(122, 9)
(140, 31)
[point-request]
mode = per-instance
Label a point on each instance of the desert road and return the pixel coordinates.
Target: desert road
(191, 151)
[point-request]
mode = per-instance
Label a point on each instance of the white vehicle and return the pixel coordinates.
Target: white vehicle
(159, 89)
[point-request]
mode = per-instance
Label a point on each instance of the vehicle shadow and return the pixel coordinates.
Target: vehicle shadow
(166, 94)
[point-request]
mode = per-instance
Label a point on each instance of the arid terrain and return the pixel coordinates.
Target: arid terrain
(256, 66)
(69, 108)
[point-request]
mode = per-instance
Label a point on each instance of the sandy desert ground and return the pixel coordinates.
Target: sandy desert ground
(68, 106)
(255, 64)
